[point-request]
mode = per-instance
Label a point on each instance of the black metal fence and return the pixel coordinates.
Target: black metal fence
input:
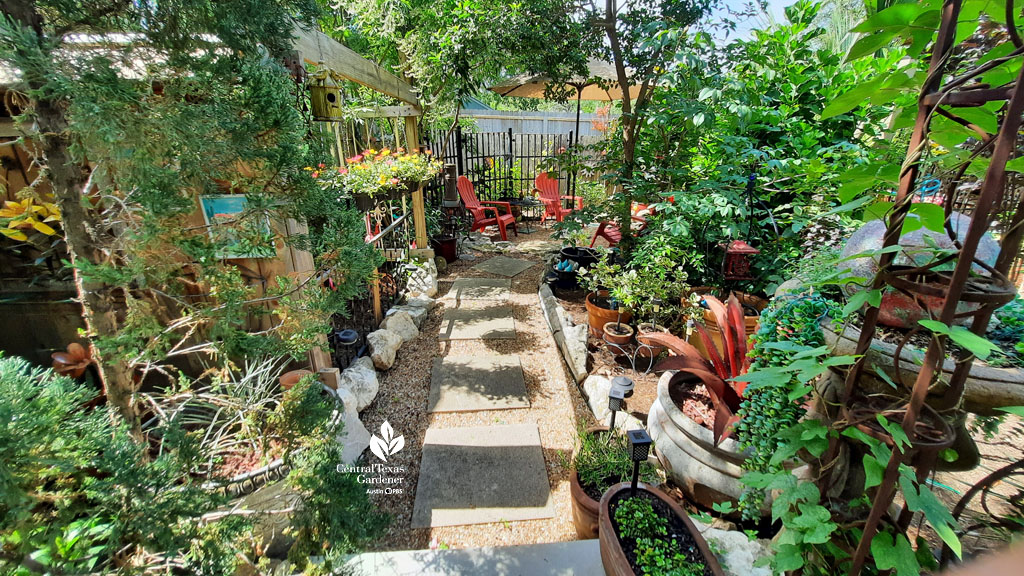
(501, 165)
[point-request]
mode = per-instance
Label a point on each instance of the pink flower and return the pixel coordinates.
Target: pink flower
(343, 171)
(315, 174)
(355, 159)
(320, 165)
(395, 181)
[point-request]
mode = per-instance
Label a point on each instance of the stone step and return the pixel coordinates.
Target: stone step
(492, 322)
(479, 289)
(471, 383)
(482, 475)
(503, 266)
(582, 557)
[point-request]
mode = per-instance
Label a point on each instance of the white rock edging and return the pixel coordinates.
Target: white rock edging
(354, 437)
(596, 388)
(571, 340)
(400, 322)
(384, 345)
(360, 380)
(735, 551)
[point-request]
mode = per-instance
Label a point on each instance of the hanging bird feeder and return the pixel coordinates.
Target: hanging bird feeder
(325, 97)
(737, 260)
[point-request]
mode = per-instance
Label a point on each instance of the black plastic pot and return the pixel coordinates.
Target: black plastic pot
(567, 279)
(582, 255)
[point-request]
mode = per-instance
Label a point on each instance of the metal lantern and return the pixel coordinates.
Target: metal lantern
(325, 98)
(615, 396)
(737, 260)
(640, 447)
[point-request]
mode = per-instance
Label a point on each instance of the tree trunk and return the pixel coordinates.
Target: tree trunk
(629, 124)
(69, 181)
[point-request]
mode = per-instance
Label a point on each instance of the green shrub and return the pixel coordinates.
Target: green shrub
(79, 495)
(603, 460)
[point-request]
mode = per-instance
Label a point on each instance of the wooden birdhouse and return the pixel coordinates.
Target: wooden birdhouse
(325, 98)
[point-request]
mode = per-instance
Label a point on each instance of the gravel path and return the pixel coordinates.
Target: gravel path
(556, 408)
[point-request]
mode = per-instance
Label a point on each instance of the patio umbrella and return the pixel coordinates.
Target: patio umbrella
(587, 88)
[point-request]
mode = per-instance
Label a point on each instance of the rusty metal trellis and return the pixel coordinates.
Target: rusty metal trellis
(987, 291)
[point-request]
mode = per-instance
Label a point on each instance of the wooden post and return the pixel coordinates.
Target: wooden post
(301, 262)
(378, 310)
(419, 209)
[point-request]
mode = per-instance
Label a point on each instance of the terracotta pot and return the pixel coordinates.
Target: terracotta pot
(584, 508)
(292, 377)
(642, 330)
(597, 316)
(613, 558)
(711, 324)
(618, 333)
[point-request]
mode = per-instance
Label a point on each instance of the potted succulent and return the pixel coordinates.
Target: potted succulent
(601, 461)
(642, 531)
(696, 407)
(603, 281)
(375, 175)
(750, 304)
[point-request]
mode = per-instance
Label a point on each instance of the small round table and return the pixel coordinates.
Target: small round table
(530, 209)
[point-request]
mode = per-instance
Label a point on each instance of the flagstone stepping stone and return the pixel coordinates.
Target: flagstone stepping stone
(480, 289)
(474, 324)
(503, 266)
(550, 559)
(468, 383)
(481, 475)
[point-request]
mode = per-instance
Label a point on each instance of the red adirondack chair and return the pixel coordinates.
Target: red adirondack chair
(611, 232)
(479, 210)
(546, 188)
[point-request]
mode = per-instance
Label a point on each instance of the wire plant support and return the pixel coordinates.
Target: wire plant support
(986, 291)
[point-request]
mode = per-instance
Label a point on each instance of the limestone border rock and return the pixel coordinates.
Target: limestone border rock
(360, 379)
(571, 340)
(400, 322)
(384, 345)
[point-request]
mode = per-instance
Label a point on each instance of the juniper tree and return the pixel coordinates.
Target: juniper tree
(134, 109)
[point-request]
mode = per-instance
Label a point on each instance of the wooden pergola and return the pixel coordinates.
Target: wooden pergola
(315, 47)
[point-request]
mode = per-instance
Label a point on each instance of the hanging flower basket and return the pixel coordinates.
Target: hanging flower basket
(376, 176)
